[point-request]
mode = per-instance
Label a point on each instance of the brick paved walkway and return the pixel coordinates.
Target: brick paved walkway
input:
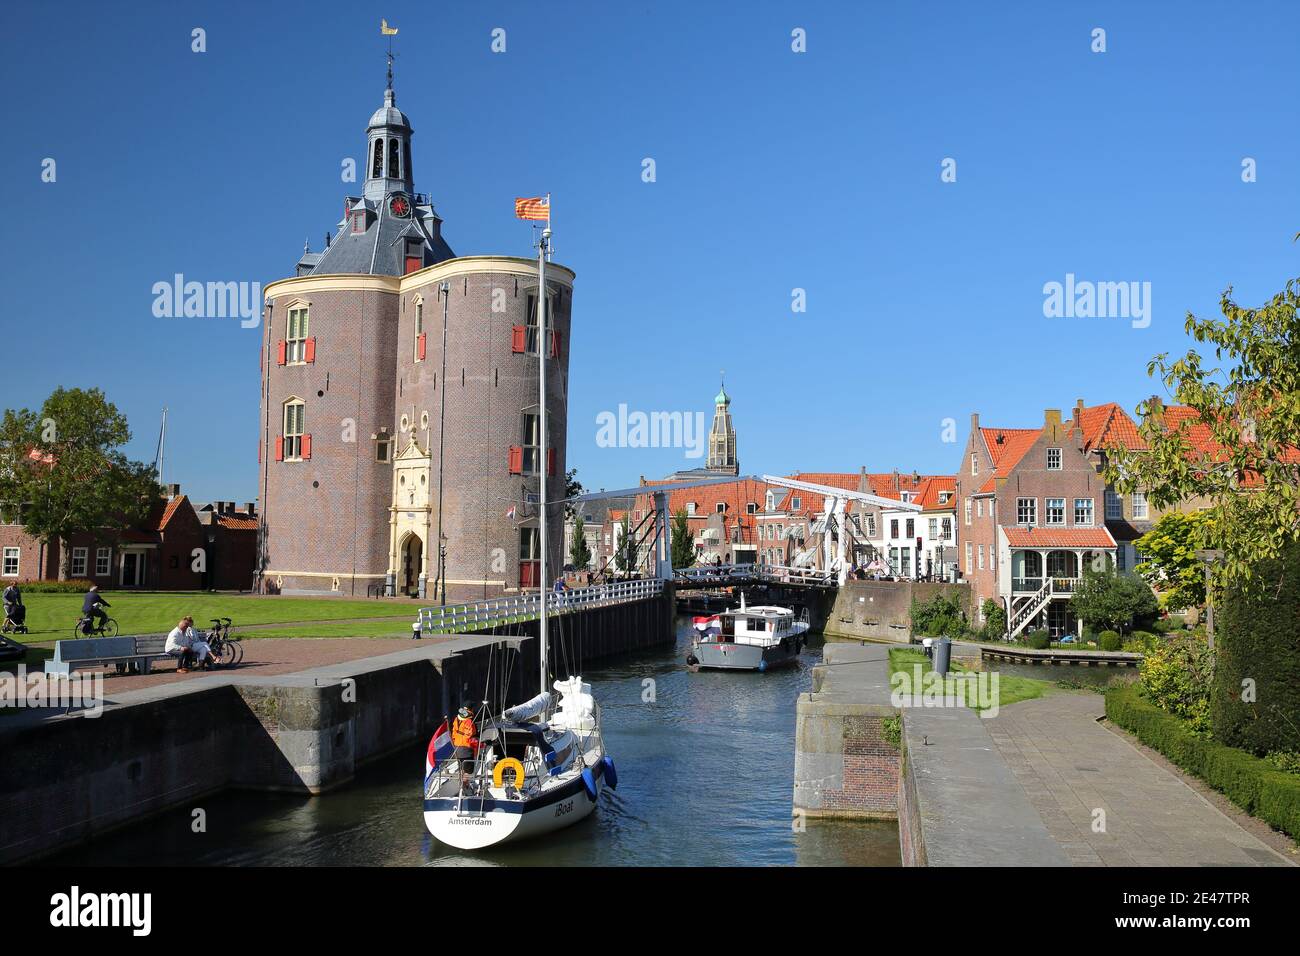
(1070, 765)
(281, 655)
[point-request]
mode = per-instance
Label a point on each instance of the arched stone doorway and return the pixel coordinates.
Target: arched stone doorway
(408, 578)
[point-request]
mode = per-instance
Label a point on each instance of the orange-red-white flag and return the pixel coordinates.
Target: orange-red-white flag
(536, 207)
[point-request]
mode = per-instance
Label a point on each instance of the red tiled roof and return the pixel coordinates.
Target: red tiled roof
(988, 487)
(928, 499)
(1107, 425)
(237, 522)
(1059, 537)
(1007, 453)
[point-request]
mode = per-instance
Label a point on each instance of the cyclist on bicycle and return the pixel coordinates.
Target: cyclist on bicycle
(90, 608)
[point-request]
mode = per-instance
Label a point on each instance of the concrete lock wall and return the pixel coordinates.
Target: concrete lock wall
(881, 610)
(67, 779)
(846, 763)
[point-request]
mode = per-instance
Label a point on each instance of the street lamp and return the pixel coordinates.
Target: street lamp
(1209, 557)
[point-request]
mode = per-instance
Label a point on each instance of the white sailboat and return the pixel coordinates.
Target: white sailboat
(541, 765)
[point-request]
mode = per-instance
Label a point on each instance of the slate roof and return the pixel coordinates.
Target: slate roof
(380, 249)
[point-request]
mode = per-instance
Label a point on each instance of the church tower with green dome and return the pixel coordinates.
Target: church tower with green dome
(722, 438)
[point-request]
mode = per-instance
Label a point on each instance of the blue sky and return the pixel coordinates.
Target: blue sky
(775, 171)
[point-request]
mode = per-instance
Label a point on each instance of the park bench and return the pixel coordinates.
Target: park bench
(136, 652)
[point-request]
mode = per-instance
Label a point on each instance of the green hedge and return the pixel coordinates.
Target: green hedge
(71, 586)
(1248, 781)
(1257, 639)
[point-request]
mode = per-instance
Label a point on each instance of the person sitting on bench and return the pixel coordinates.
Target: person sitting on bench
(187, 646)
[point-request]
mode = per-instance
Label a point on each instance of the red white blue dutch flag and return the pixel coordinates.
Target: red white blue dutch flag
(708, 626)
(440, 749)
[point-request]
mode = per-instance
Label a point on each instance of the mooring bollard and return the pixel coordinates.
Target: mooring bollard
(415, 631)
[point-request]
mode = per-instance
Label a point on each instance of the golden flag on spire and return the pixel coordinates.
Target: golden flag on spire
(385, 29)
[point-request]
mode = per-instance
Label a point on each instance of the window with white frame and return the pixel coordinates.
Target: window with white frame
(103, 561)
(690, 507)
(979, 507)
(79, 556)
(720, 507)
(1083, 511)
(980, 552)
(934, 528)
(1053, 459)
(1139, 506)
(871, 525)
(295, 336)
(947, 529)
(893, 527)
(796, 503)
(293, 429)
(970, 559)
(1027, 511)
(974, 464)
(968, 509)
(9, 563)
(1114, 505)
(751, 508)
(992, 502)
(1054, 511)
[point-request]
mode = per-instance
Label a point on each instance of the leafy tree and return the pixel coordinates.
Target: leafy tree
(683, 544)
(1110, 600)
(579, 552)
(62, 470)
(1170, 562)
(625, 555)
(1248, 406)
(995, 620)
(572, 488)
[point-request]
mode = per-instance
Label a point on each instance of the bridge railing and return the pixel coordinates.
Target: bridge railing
(511, 608)
(726, 574)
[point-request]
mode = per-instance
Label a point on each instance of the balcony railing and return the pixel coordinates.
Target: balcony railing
(1032, 585)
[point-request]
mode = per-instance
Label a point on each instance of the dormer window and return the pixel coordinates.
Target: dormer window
(690, 507)
(414, 257)
(358, 221)
(721, 507)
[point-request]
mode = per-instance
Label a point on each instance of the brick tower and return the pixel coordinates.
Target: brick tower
(399, 397)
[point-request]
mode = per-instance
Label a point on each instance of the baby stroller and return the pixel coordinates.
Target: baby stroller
(15, 618)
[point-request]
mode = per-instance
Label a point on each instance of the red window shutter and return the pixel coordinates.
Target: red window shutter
(555, 343)
(550, 461)
(419, 345)
(518, 340)
(282, 347)
(279, 448)
(309, 350)
(516, 460)
(306, 447)
(414, 264)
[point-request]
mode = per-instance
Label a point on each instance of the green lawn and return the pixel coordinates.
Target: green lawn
(52, 616)
(1010, 689)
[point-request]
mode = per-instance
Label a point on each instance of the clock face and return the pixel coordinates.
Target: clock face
(399, 206)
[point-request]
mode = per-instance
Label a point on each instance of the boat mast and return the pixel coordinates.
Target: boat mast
(543, 341)
(162, 443)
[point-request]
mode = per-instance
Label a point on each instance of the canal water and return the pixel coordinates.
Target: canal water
(705, 770)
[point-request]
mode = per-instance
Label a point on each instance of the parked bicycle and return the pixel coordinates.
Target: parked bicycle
(85, 627)
(226, 650)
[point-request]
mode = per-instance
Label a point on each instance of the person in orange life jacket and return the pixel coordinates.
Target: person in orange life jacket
(464, 737)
